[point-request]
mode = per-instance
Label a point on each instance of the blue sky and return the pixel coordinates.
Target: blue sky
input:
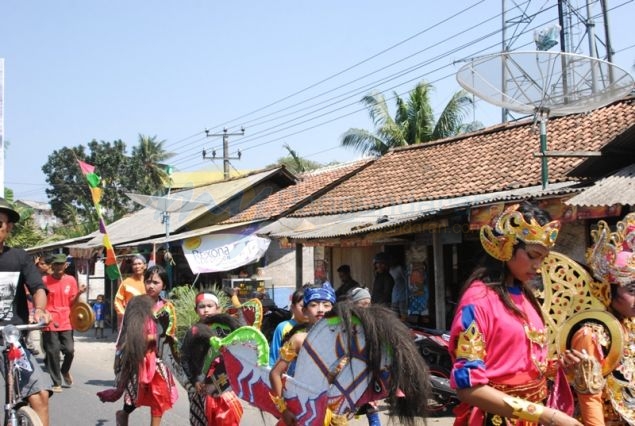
(288, 71)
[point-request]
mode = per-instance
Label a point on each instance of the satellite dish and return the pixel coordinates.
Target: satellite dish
(544, 84)
(166, 205)
(169, 204)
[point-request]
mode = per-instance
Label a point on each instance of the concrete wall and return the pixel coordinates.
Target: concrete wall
(280, 265)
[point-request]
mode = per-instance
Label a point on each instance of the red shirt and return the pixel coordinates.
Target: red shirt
(61, 296)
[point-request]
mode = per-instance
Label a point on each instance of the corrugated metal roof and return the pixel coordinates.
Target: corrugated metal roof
(188, 234)
(147, 223)
(358, 223)
(618, 188)
(58, 244)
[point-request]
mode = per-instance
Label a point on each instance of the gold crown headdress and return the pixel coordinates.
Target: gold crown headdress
(511, 226)
(611, 256)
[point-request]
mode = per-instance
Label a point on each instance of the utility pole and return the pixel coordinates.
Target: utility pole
(226, 156)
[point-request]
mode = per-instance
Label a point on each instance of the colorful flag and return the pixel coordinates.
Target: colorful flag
(94, 182)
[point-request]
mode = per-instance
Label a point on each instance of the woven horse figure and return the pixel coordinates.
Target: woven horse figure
(349, 358)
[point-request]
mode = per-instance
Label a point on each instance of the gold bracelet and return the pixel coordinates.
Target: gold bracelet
(279, 402)
(524, 409)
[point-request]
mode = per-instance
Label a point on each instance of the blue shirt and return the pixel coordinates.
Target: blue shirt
(100, 311)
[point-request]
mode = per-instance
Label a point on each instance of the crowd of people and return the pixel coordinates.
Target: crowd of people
(502, 371)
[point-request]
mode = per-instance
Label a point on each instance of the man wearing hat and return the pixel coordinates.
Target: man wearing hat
(18, 270)
(58, 335)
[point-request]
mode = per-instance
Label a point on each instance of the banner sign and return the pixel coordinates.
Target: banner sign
(223, 251)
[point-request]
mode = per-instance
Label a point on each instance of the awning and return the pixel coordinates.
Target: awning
(618, 188)
(398, 219)
(59, 244)
(187, 234)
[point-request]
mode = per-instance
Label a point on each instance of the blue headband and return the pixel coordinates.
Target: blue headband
(325, 292)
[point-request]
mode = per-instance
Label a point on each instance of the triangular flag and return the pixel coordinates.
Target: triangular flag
(96, 193)
(86, 168)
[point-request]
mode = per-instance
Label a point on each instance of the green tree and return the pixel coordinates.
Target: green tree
(70, 195)
(26, 232)
(413, 123)
(68, 190)
(294, 163)
(147, 165)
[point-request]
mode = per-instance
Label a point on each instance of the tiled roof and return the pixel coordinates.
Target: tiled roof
(309, 184)
(496, 159)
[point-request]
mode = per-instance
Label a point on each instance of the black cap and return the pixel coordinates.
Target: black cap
(5, 207)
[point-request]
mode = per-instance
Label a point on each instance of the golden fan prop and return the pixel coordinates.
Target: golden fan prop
(570, 296)
(82, 316)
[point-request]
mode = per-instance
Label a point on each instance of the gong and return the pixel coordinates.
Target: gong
(82, 316)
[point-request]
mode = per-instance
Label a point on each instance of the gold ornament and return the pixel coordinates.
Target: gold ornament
(587, 376)
(470, 344)
(511, 226)
(568, 289)
(611, 257)
(279, 402)
(523, 409)
(610, 325)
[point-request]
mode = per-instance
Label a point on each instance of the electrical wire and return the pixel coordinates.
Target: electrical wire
(270, 130)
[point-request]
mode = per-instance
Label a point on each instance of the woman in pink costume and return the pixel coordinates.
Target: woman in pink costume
(498, 338)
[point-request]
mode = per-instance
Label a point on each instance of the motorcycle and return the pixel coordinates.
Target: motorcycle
(433, 347)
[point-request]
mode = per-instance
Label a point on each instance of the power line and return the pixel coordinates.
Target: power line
(277, 129)
(382, 68)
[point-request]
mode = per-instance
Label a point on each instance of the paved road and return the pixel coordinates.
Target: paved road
(92, 372)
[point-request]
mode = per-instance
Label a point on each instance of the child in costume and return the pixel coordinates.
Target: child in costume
(498, 340)
(297, 317)
(360, 297)
(318, 300)
(148, 329)
(604, 379)
(209, 406)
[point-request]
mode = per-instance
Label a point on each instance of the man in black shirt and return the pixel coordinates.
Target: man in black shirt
(17, 270)
(383, 283)
(348, 283)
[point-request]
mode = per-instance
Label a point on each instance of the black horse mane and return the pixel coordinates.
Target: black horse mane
(408, 371)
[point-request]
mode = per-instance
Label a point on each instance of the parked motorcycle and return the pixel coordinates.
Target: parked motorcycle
(433, 347)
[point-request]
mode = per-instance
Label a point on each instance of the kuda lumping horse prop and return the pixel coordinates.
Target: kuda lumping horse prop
(354, 356)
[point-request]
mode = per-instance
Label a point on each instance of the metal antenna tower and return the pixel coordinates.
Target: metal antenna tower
(584, 29)
(226, 156)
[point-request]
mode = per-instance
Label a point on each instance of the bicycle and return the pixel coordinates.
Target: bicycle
(17, 412)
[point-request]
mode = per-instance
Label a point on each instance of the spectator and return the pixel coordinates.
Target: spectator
(383, 283)
(58, 335)
(348, 283)
(131, 286)
(399, 296)
(99, 308)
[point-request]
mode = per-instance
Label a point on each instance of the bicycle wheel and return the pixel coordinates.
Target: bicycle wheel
(28, 417)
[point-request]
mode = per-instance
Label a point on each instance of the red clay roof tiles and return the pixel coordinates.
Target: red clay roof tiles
(309, 184)
(495, 159)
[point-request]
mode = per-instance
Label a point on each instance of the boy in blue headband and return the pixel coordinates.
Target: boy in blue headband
(318, 301)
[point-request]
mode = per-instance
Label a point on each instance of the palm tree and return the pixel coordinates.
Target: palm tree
(413, 123)
(148, 158)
